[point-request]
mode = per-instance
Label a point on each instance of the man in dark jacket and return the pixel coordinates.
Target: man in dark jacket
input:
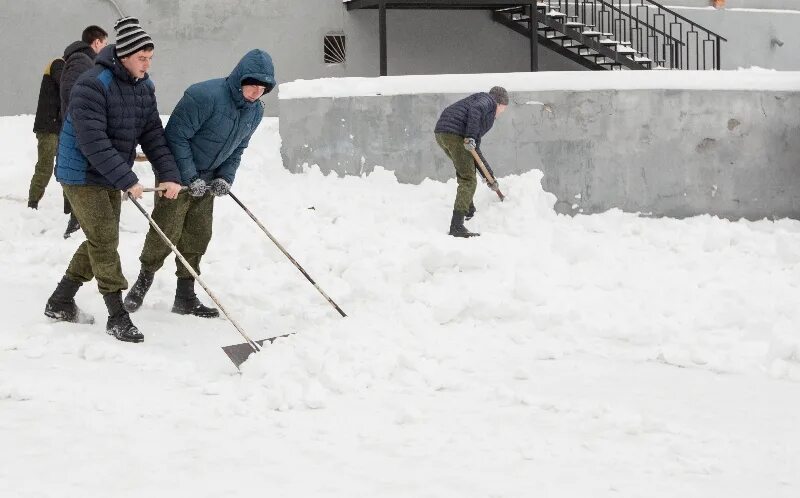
(459, 131)
(207, 132)
(47, 123)
(46, 126)
(112, 108)
(78, 58)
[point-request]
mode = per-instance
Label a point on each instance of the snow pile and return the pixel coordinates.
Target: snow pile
(659, 356)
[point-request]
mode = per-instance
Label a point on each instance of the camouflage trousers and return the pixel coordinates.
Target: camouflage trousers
(187, 222)
(97, 209)
(46, 152)
(453, 146)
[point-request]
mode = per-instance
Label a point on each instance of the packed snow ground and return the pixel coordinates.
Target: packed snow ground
(606, 355)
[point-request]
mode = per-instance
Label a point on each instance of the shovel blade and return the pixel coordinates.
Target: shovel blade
(239, 353)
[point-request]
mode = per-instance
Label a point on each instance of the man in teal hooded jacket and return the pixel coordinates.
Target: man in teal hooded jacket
(207, 133)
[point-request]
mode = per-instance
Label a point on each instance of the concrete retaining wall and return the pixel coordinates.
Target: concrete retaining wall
(731, 153)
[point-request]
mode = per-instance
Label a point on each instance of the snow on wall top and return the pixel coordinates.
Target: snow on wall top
(749, 79)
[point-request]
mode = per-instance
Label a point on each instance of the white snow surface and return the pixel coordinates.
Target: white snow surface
(743, 79)
(607, 356)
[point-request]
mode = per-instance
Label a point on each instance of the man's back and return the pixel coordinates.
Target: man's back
(79, 58)
(48, 108)
(471, 117)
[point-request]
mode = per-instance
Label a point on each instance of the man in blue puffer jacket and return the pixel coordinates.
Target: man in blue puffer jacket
(459, 131)
(112, 108)
(208, 131)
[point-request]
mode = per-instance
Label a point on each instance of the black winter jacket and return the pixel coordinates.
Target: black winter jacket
(110, 111)
(48, 117)
(79, 58)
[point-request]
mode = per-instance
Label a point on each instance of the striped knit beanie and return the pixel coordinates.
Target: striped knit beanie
(130, 36)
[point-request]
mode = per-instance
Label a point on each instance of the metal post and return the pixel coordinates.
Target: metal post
(382, 29)
(534, 20)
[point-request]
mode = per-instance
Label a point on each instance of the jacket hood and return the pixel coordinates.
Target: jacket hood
(256, 64)
(74, 47)
(108, 58)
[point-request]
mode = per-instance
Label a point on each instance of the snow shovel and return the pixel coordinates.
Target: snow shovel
(239, 354)
(489, 178)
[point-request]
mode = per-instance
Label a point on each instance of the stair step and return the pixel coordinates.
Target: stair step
(609, 41)
(591, 33)
(574, 24)
(641, 59)
(555, 13)
(625, 50)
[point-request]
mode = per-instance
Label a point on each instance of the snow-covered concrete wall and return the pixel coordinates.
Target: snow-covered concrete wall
(202, 39)
(663, 143)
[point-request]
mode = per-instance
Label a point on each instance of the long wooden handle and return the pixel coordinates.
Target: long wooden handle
(286, 253)
(489, 178)
(253, 345)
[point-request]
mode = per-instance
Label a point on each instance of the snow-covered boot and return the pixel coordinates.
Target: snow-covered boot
(186, 302)
(471, 212)
(135, 296)
(61, 305)
(119, 322)
(72, 226)
(457, 228)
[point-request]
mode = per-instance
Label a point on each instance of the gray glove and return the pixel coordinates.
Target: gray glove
(469, 144)
(197, 187)
(219, 187)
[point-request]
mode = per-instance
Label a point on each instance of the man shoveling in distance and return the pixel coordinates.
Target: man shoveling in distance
(458, 132)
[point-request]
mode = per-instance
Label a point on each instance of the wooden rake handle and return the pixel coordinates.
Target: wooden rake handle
(489, 178)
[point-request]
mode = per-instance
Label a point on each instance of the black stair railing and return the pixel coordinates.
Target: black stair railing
(669, 39)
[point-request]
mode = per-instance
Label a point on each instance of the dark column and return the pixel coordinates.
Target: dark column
(382, 23)
(534, 17)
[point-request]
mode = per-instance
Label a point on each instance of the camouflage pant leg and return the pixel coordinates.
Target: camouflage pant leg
(196, 235)
(169, 215)
(97, 209)
(46, 152)
(453, 145)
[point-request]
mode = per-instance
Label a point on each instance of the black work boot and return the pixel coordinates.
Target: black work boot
(33, 204)
(61, 305)
(135, 296)
(119, 322)
(186, 302)
(457, 228)
(471, 212)
(72, 226)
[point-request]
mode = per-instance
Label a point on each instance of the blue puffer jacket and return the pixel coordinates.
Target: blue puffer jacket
(470, 117)
(212, 124)
(109, 113)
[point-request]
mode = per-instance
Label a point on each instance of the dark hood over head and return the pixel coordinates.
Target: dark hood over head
(256, 64)
(77, 46)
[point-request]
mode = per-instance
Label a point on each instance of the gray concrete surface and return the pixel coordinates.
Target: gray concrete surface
(201, 39)
(671, 153)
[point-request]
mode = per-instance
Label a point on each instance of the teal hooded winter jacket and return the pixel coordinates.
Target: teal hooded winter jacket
(212, 124)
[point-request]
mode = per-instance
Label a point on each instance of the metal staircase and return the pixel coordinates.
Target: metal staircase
(617, 34)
